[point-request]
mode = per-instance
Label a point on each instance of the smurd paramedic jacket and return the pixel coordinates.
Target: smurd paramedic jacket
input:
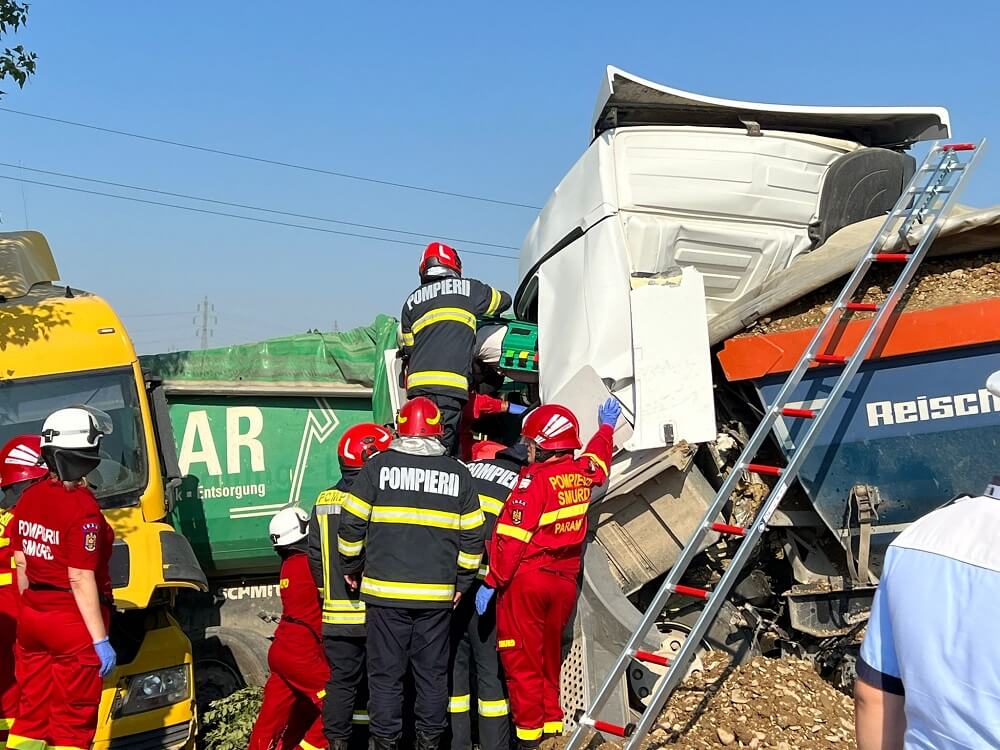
(343, 611)
(544, 521)
(494, 479)
(418, 522)
(438, 324)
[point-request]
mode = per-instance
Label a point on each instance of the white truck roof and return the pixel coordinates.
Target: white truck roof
(625, 99)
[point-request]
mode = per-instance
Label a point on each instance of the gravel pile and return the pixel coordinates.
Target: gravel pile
(939, 282)
(779, 704)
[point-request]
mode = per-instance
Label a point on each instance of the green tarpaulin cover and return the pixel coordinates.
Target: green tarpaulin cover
(352, 357)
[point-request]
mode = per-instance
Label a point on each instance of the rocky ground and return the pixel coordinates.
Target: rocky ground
(767, 704)
(940, 281)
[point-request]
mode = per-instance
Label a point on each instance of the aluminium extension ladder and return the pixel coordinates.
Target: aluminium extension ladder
(925, 201)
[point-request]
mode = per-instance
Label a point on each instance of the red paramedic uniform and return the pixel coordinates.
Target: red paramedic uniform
(293, 696)
(58, 671)
(8, 625)
(534, 564)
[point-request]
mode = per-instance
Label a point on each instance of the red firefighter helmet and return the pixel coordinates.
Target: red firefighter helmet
(361, 442)
(20, 460)
(420, 417)
(553, 428)
(486, 449)
(439, 255)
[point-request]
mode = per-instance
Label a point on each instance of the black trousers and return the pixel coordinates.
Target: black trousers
(345, 707)
(401, 639)
(475, 657)
(451, 418)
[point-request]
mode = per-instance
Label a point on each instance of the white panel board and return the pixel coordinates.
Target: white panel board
(673, 372)
(582, 394)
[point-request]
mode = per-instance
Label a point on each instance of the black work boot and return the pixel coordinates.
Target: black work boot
(528, 744)
(339, 744)
(383, 743)
(428, 741)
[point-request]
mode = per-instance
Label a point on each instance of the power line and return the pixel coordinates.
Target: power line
(273, 162)
(249, 207)
(237, 216)
(153, 315)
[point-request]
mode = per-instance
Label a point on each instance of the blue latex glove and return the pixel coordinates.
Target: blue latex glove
(483, 597)
(609, 411)
(516, 409)
(107, 655)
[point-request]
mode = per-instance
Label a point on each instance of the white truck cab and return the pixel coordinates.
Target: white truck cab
(682, 208)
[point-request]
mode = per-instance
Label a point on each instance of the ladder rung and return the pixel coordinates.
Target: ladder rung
(774, 471)
(603, 726)
(725, 528)
(950, 168)
(651, 657)
(892, 257)
(861, 306)
(690, 591)
(800, 413)
(959, 147)
(830, 359)
(936, 190)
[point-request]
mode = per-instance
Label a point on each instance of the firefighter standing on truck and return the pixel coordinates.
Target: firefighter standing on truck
(474, 636)
(535, 560)
(291, 715)
(346, 701)
(414, 514)
(62, 545)
(20, 467)
(438, 327)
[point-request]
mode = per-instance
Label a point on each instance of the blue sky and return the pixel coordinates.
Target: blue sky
(489, 99)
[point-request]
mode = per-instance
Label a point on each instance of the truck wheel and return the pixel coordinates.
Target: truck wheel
(727, 633)
(226, 660)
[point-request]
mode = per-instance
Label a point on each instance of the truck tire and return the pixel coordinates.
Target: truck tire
(226, 660)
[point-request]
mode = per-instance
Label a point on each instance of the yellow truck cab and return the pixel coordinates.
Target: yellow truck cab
(61, 346)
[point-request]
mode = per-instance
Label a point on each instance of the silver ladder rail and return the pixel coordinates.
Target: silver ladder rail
(926, 200)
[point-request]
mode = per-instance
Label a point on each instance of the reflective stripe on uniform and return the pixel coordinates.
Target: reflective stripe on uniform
(459, 704)
(356, 506)
(422, 592)
(437, 377)
(494, 708)
(17, 742)
(416, 516)
(6, 579)
(553, 727)
(469, 562)
(490, 505)
(6, 724)
(344, 612)
(4, 541)
(570, 511)
(514, 532)
(407, 338)
(523, 733)
(596, 460)
(359, 717)
(307, 746)
(444, 315)
(473, 520)
(495, 299)
(343, 618)
(349, 549)
(484, 570)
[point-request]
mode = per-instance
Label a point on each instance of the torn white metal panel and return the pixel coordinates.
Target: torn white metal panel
(673, 372)
(625, 99)
(583, 314)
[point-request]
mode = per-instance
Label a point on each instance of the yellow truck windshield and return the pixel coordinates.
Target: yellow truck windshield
(121, 477)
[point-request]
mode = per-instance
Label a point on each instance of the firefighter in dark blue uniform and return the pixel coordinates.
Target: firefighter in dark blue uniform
(413, 525)
(438, 325)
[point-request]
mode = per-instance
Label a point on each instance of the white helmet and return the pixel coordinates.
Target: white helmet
(993, 383)
(71, 438)
(288, 526)
(75, 427)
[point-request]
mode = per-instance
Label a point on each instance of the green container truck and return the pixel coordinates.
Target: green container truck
(256, 428)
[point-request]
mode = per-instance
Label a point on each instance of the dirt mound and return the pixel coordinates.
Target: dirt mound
(779, 704)
(939, 282)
